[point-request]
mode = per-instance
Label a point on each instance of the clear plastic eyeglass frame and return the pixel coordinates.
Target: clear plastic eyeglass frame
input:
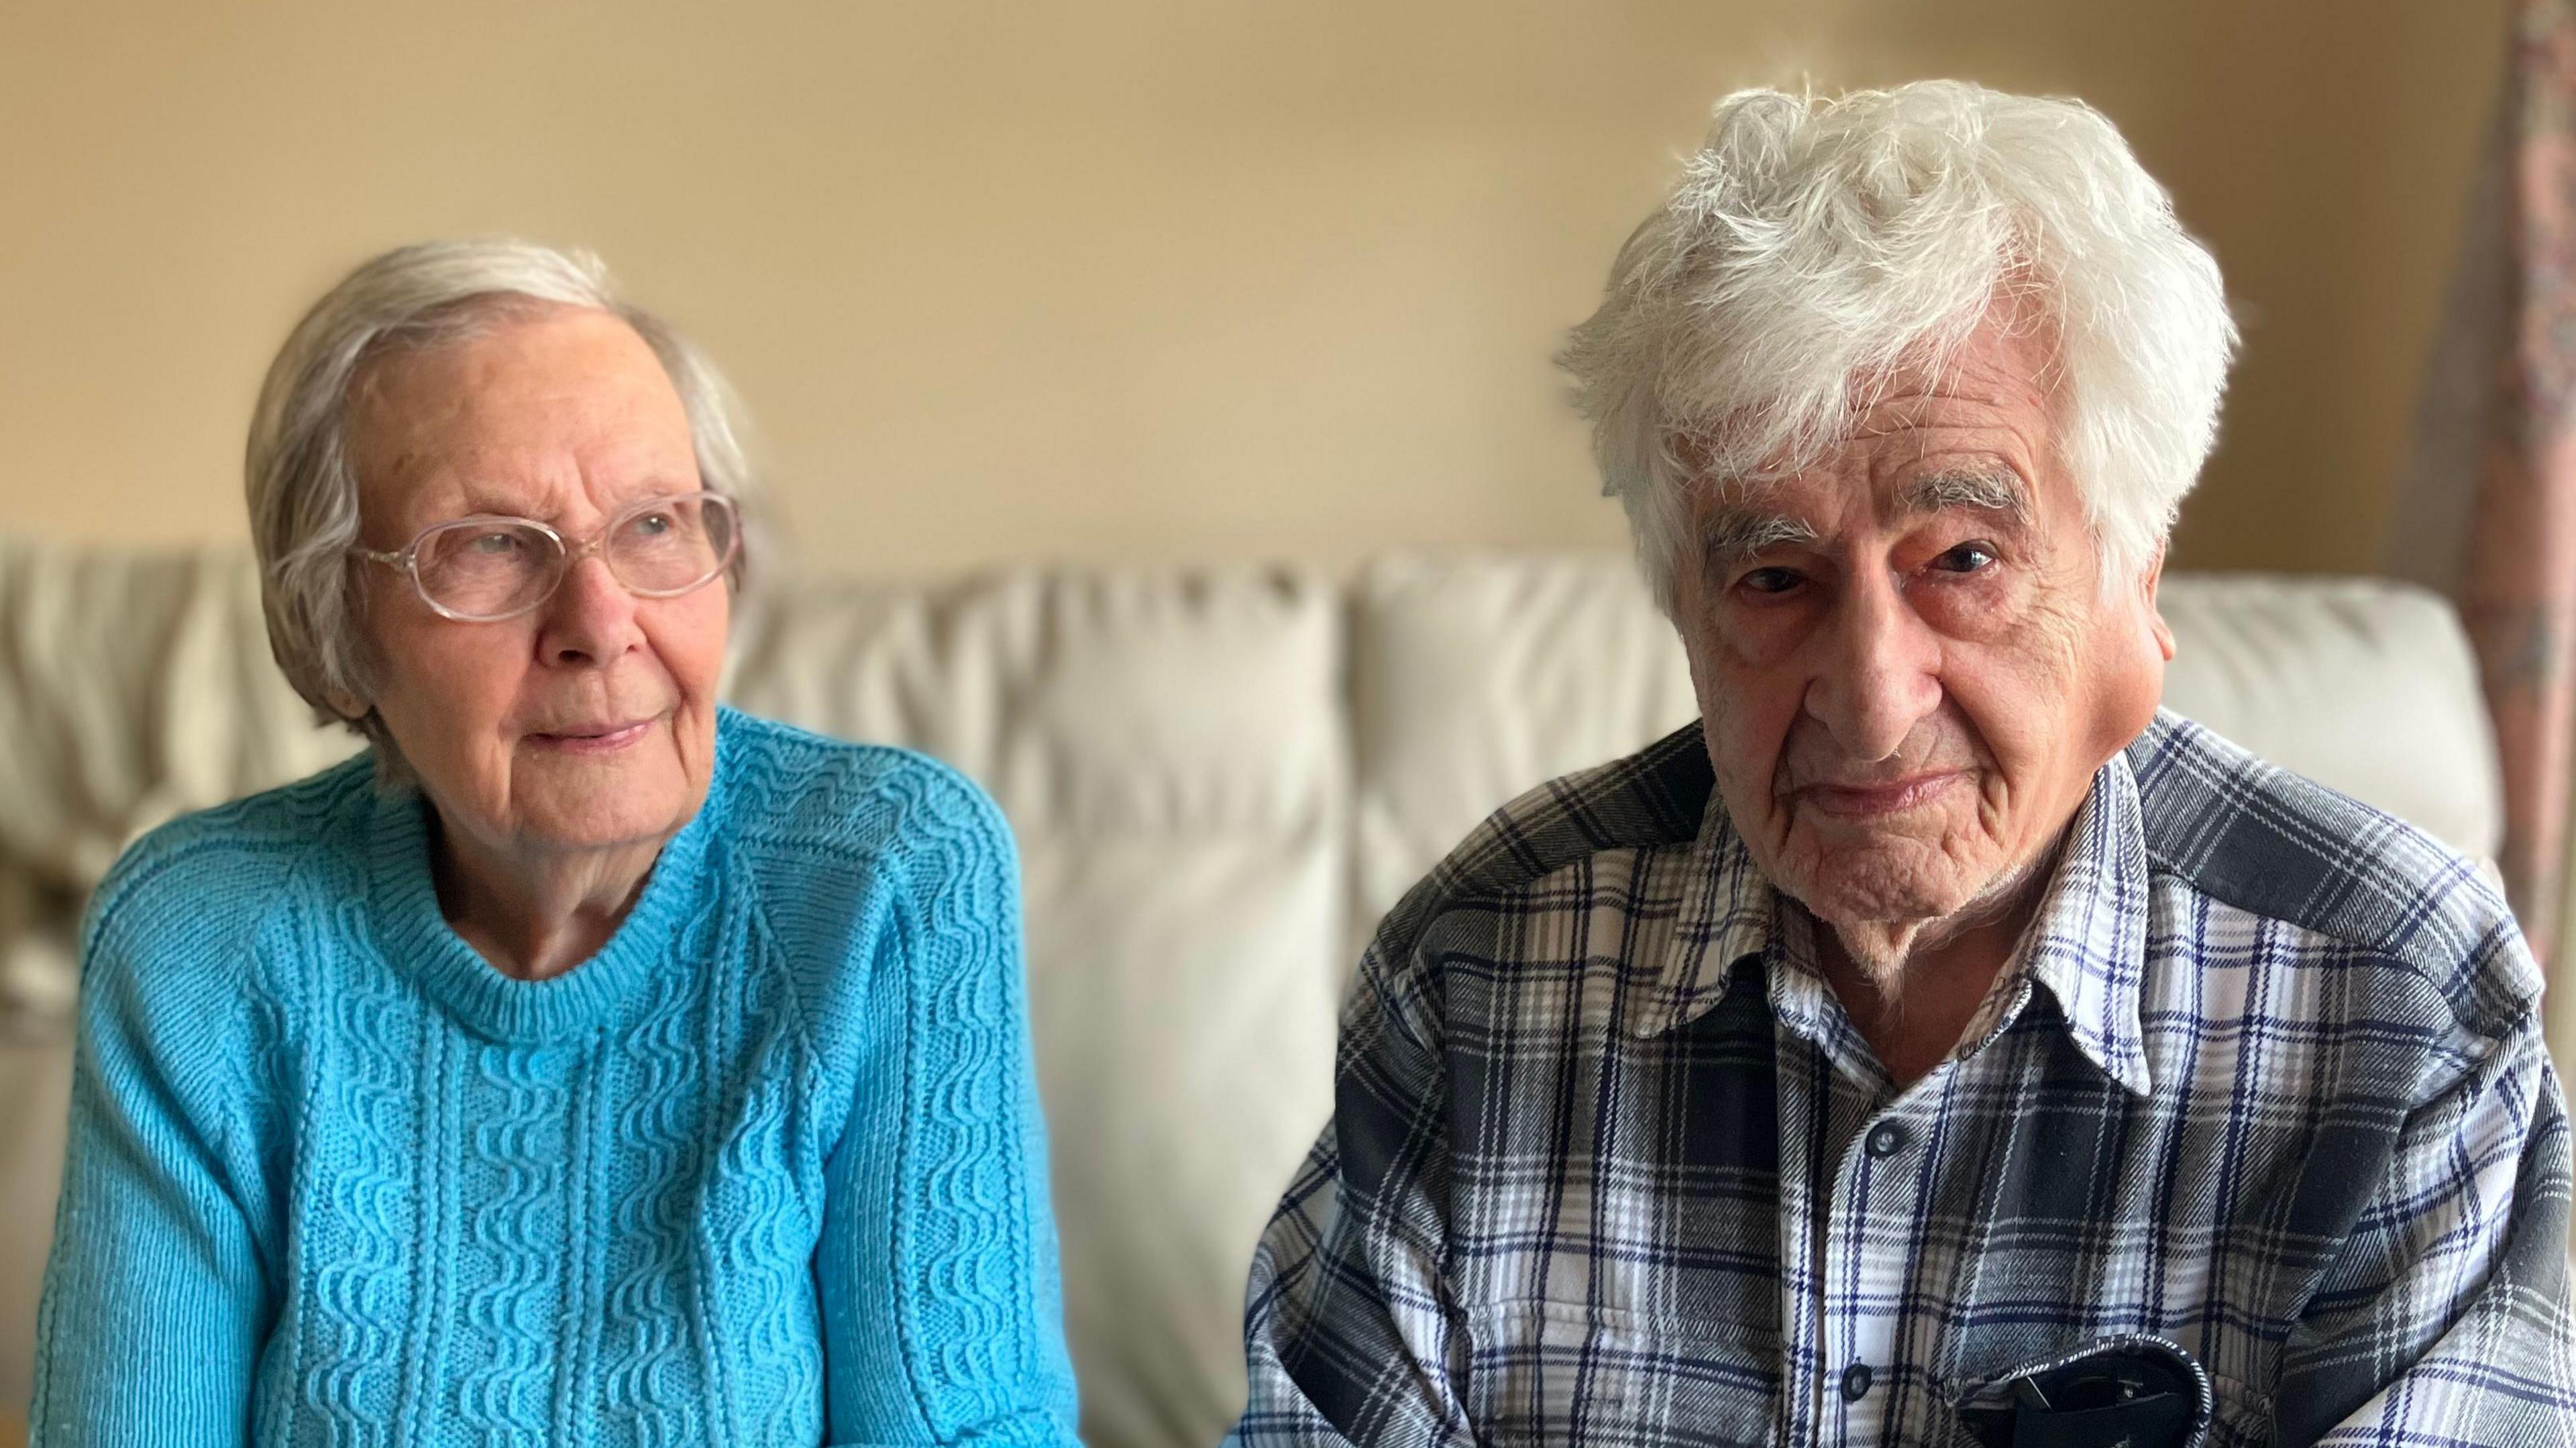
(714, 509)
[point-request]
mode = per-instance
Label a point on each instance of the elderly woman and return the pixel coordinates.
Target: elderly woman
(586, 1062)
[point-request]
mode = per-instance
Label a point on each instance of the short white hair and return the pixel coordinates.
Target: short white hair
(1815, 245)
(302, 491)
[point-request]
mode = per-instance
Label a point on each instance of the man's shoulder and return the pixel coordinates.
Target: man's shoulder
(1654, 797)
(2259, 839)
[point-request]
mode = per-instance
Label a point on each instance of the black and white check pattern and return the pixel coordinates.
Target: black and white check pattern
(1608, 1163)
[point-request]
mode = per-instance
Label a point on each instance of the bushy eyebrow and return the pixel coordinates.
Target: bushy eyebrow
(1991, 490)
(1735, 534)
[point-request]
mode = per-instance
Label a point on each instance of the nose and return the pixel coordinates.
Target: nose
(590, 620)
(1879, 675)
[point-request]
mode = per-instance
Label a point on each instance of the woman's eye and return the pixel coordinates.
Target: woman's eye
(493, 545)
(1966, 558)
(653, 525)
(1770, 580)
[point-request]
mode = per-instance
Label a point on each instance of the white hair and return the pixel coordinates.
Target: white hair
(1813, 246)
(303, 493)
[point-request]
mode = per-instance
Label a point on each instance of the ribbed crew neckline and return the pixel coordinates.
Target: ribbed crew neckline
(600, 991)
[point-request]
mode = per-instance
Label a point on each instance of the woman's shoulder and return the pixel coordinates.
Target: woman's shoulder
(844, 843)
(225, 867)
(176, 918)
(791, 787)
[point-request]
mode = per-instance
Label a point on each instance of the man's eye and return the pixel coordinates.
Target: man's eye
(1966, 558)
(1770, 580)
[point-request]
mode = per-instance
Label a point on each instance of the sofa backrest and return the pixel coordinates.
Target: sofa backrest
(1219, 780)
(1170, 752)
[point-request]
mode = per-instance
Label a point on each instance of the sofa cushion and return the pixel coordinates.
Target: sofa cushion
(1169, 751)
(135, 686)
(2362, 684)
(1474, 678)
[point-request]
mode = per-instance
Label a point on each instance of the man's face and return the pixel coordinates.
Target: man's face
(1907, 664)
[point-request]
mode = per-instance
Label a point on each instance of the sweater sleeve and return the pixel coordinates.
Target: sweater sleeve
(942, 1305)
(155, 1299)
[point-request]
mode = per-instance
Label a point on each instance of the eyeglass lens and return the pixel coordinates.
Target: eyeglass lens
(495, 567)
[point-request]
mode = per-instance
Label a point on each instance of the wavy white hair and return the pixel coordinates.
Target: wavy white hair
(303, 493)
(1814, 245)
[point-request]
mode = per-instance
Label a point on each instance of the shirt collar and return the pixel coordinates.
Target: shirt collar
(1723, 917)
(2086, 946)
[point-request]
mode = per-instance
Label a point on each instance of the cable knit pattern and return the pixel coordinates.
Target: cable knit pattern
(966, 1158)
(768, 1169)
(504, 1398)
(357, 1286)
(765, 1257)
(649, 1224)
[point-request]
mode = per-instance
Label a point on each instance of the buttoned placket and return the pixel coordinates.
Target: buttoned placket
(1877, 1179)
(1864, 1163)
(1835, 1356)
(1806, 1094)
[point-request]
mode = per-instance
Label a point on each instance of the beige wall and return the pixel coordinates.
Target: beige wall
(1139, 279)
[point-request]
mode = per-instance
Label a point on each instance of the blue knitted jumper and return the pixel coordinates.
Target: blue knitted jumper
(768, 1169)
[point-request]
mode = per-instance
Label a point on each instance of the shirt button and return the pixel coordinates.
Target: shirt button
(1886, 1139)
(1856, 1379)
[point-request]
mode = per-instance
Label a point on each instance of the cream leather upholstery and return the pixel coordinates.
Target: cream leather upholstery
(1173, 764)
(1218, 779)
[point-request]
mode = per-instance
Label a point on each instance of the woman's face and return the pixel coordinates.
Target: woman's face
(588, 722)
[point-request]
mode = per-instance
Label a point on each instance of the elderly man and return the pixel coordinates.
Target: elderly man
(1935, 1043)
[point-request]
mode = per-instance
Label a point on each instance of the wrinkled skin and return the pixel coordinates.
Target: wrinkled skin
(1906, 690)
(560, 748)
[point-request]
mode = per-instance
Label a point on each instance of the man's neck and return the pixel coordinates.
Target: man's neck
(1918, 1017)
(537, 913)
(1913, 1027)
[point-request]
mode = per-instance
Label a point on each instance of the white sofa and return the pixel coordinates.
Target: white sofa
(1219, 780)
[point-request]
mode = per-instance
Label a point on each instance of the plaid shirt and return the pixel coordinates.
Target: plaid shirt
(1609, 1163)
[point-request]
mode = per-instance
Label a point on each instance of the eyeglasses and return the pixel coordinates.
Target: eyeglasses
(487, 568)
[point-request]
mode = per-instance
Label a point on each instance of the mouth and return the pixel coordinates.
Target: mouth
(604, 737)
(1877, 800)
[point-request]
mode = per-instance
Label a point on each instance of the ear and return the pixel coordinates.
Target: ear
(342, 697)
(2148, 578)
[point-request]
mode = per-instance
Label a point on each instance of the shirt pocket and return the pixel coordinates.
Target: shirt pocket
(1549, 1372)
(2237, 1415)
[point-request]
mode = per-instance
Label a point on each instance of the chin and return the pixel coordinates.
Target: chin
(1884, 880)
(605, 814)
(1879, 905)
